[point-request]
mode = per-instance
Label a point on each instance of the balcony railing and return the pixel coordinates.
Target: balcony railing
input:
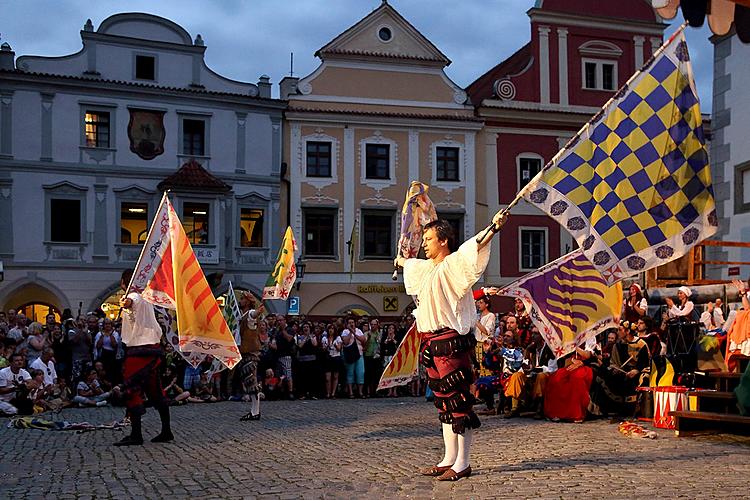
(690, 269)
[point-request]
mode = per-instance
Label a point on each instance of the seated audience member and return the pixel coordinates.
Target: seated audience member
(614, 389)
(204, 390)
(524, 324)
(15, 384)
(60, 396)
(487, 386)
(102, 377)
(39, 391)
(713, 317)
(173, 392)
(566, 396)
(47, 366)
(646, 332)
(89, 392)
(539, 364)
(513, 377)
(192, 378)
(272, 386)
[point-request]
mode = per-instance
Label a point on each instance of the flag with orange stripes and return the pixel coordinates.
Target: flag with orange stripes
(404, 364)
(169, 275)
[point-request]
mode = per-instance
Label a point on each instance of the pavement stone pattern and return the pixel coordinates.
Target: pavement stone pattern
(360, 449)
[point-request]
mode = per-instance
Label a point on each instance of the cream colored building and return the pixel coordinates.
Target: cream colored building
(377, 113)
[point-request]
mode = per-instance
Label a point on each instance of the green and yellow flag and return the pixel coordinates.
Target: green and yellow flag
(281, 279)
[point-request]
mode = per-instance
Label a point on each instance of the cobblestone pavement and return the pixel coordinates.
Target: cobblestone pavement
(361, 448)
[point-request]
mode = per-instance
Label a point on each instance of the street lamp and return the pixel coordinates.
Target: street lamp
(300, 271)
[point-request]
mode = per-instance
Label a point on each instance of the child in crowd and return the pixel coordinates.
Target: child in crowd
(173, 392)
(204, 390)
(89, 392)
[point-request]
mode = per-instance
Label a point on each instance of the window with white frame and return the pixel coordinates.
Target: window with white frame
(320, 229)
(318, 158)
(533, 248)
(599, 74)
(378, 228)
(528, 167)
(447, 163)
(378, 161)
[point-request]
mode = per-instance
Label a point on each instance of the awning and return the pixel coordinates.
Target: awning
(720, 13)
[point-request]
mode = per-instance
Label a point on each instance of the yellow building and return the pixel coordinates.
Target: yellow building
(377, 113)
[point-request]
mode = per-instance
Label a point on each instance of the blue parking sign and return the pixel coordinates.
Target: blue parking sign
(293, 306)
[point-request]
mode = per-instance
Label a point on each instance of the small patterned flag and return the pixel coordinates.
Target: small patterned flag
(404, 364)
(633, 187)
(568, 301)
(417, 211)
(281, 279)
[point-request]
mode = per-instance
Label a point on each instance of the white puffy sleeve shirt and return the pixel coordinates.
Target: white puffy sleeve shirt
(443, 290)
(139, 325)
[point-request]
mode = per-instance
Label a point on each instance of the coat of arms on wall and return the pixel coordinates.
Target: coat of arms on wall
(146, 132)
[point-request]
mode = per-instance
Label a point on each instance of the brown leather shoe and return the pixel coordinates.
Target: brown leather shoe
(435, 470)
(450, 475)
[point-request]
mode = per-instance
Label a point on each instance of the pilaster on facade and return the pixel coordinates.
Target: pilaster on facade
(295, 177)
(562, 66)
(6, 124)
(46, 130)
(241, 140)
(655, 44)
(638, 50)
(471, 185)
(492, 273)
(544, 91)
(349, 209)
(413, 155)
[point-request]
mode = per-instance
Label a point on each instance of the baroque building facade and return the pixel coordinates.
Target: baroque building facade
(579, 53)
(88, 143)
(376, 114)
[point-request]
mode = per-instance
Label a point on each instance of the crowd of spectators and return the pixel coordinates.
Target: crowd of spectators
(78, 361)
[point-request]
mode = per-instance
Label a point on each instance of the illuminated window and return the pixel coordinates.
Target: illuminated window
(133, 223)
(195, 222)
(97, 129)
(251, 227)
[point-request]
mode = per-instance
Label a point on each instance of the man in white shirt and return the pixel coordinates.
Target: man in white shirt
(45, 363)
(445, 314)
(142, 335)
(11, 377)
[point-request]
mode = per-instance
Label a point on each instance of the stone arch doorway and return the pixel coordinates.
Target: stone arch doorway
(35, 296)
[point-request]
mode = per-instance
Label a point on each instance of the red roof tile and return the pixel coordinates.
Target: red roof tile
(193, 177)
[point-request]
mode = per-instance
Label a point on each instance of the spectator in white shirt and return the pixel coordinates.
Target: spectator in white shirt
(46, 365)
(14, 387)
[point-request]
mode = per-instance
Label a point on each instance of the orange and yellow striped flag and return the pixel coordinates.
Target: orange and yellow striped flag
(405, 362)
(169, 275)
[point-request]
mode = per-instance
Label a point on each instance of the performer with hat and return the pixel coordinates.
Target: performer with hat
(685, 309)
(445, 316)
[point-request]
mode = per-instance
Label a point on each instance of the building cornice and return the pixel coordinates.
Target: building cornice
(373, 119)
(639, 27)
(50, 83)
(123, 171)
(126, 41)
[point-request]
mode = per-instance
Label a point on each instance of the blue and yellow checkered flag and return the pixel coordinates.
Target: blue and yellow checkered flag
(633, 187)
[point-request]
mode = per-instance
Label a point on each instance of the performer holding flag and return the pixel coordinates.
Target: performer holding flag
(141, 333)
(444, 316)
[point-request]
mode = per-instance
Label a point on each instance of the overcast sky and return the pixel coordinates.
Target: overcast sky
(247, 38)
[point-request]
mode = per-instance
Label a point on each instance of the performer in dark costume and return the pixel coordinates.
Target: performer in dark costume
(445, 315)
(250, 350)
(141, 333)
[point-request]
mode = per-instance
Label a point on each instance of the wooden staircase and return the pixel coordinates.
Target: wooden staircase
(716, 408)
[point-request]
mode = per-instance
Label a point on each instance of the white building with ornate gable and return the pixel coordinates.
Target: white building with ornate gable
(89, 140)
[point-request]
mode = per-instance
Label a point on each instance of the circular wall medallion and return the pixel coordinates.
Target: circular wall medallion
(504, 89)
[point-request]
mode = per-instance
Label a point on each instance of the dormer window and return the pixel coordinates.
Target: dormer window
(145, 67)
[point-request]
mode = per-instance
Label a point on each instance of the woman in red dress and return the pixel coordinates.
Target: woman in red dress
(566, 396)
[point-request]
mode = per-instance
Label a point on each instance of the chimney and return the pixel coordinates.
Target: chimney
(287, 87)
(7, 57)
(264, 86)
